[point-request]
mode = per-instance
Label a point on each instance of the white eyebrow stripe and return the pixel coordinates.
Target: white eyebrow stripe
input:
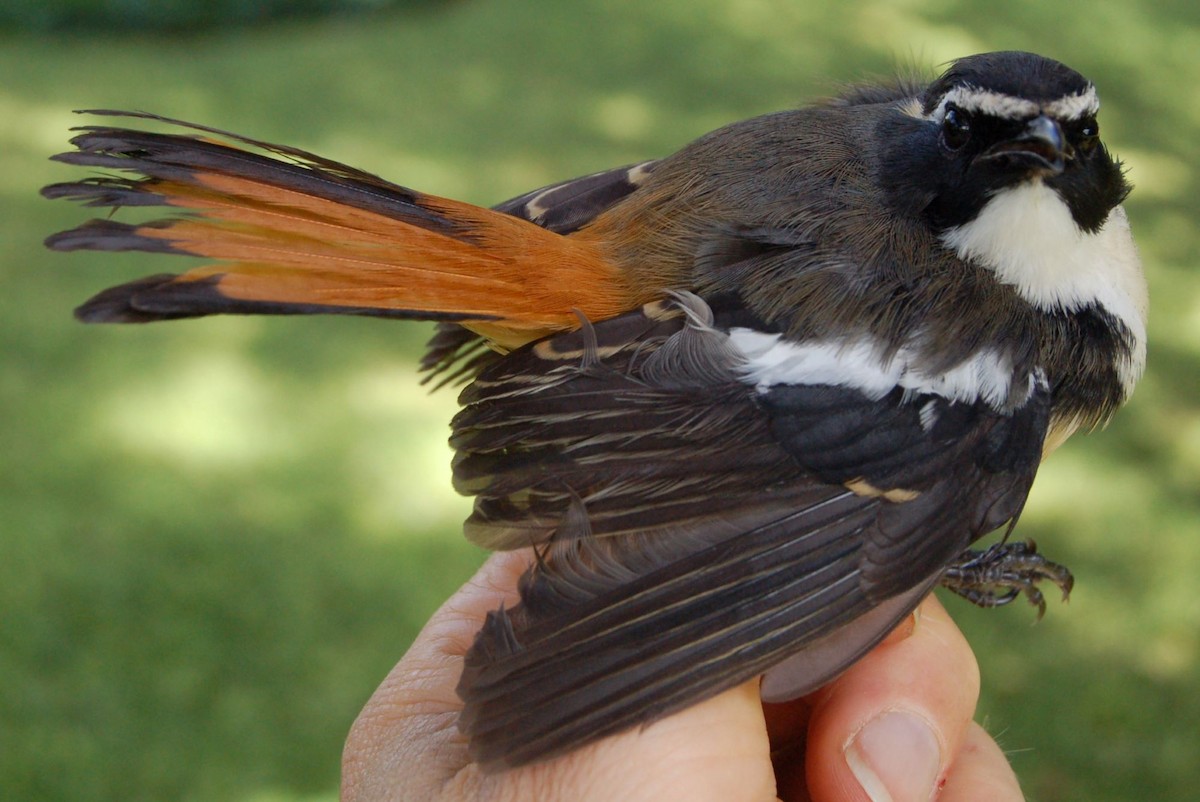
(998, 104)
(1073, 107)
(994, 104)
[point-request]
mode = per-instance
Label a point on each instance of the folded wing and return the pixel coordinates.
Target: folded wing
(684, 545)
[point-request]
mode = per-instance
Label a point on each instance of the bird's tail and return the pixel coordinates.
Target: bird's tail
(288, 232)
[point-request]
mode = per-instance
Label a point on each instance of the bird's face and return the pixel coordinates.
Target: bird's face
(1002, 121)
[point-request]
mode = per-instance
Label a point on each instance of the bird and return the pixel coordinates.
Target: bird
(748, 403)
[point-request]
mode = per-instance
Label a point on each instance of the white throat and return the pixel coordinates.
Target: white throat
(1028, 238)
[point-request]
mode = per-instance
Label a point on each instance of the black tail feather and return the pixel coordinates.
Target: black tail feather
(109, 235)
(164, 297)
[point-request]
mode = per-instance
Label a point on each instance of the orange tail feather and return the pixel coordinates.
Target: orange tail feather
(294, 233)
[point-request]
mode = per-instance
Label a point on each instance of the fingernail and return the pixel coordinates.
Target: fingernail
(895, 758)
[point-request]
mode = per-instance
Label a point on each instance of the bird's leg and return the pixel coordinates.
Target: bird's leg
(994, 576)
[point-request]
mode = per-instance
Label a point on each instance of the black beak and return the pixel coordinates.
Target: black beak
(1042, 146)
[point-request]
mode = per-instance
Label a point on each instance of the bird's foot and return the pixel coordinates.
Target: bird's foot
(994, 576)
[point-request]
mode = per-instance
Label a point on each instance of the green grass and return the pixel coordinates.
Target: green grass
(217, 536)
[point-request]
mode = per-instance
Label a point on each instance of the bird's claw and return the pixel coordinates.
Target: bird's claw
(995, 576)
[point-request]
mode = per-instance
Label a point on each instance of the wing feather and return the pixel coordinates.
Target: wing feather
(692, 531)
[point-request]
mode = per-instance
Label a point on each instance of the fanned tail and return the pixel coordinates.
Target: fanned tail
(294, 233)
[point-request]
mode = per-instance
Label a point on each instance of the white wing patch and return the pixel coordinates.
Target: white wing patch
(771, 360)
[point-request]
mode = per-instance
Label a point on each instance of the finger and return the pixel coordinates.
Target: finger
(406, 734)
(981, 772)
(716, 750)
(405, 743)
(889, 727)
(787, 727)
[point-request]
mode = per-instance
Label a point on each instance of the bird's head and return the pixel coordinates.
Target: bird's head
(998, 121)
(1001, 158)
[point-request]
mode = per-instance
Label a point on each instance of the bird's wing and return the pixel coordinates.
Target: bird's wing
(694, 532)
(568, 206)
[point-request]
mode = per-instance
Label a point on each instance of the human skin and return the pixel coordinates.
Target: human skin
(897, 726)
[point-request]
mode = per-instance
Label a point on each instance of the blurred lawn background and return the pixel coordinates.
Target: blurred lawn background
(217, 536)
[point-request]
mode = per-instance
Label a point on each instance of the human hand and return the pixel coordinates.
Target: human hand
(896, 726)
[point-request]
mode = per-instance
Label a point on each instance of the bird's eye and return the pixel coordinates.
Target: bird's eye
(956, 128)
(1088, 135)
